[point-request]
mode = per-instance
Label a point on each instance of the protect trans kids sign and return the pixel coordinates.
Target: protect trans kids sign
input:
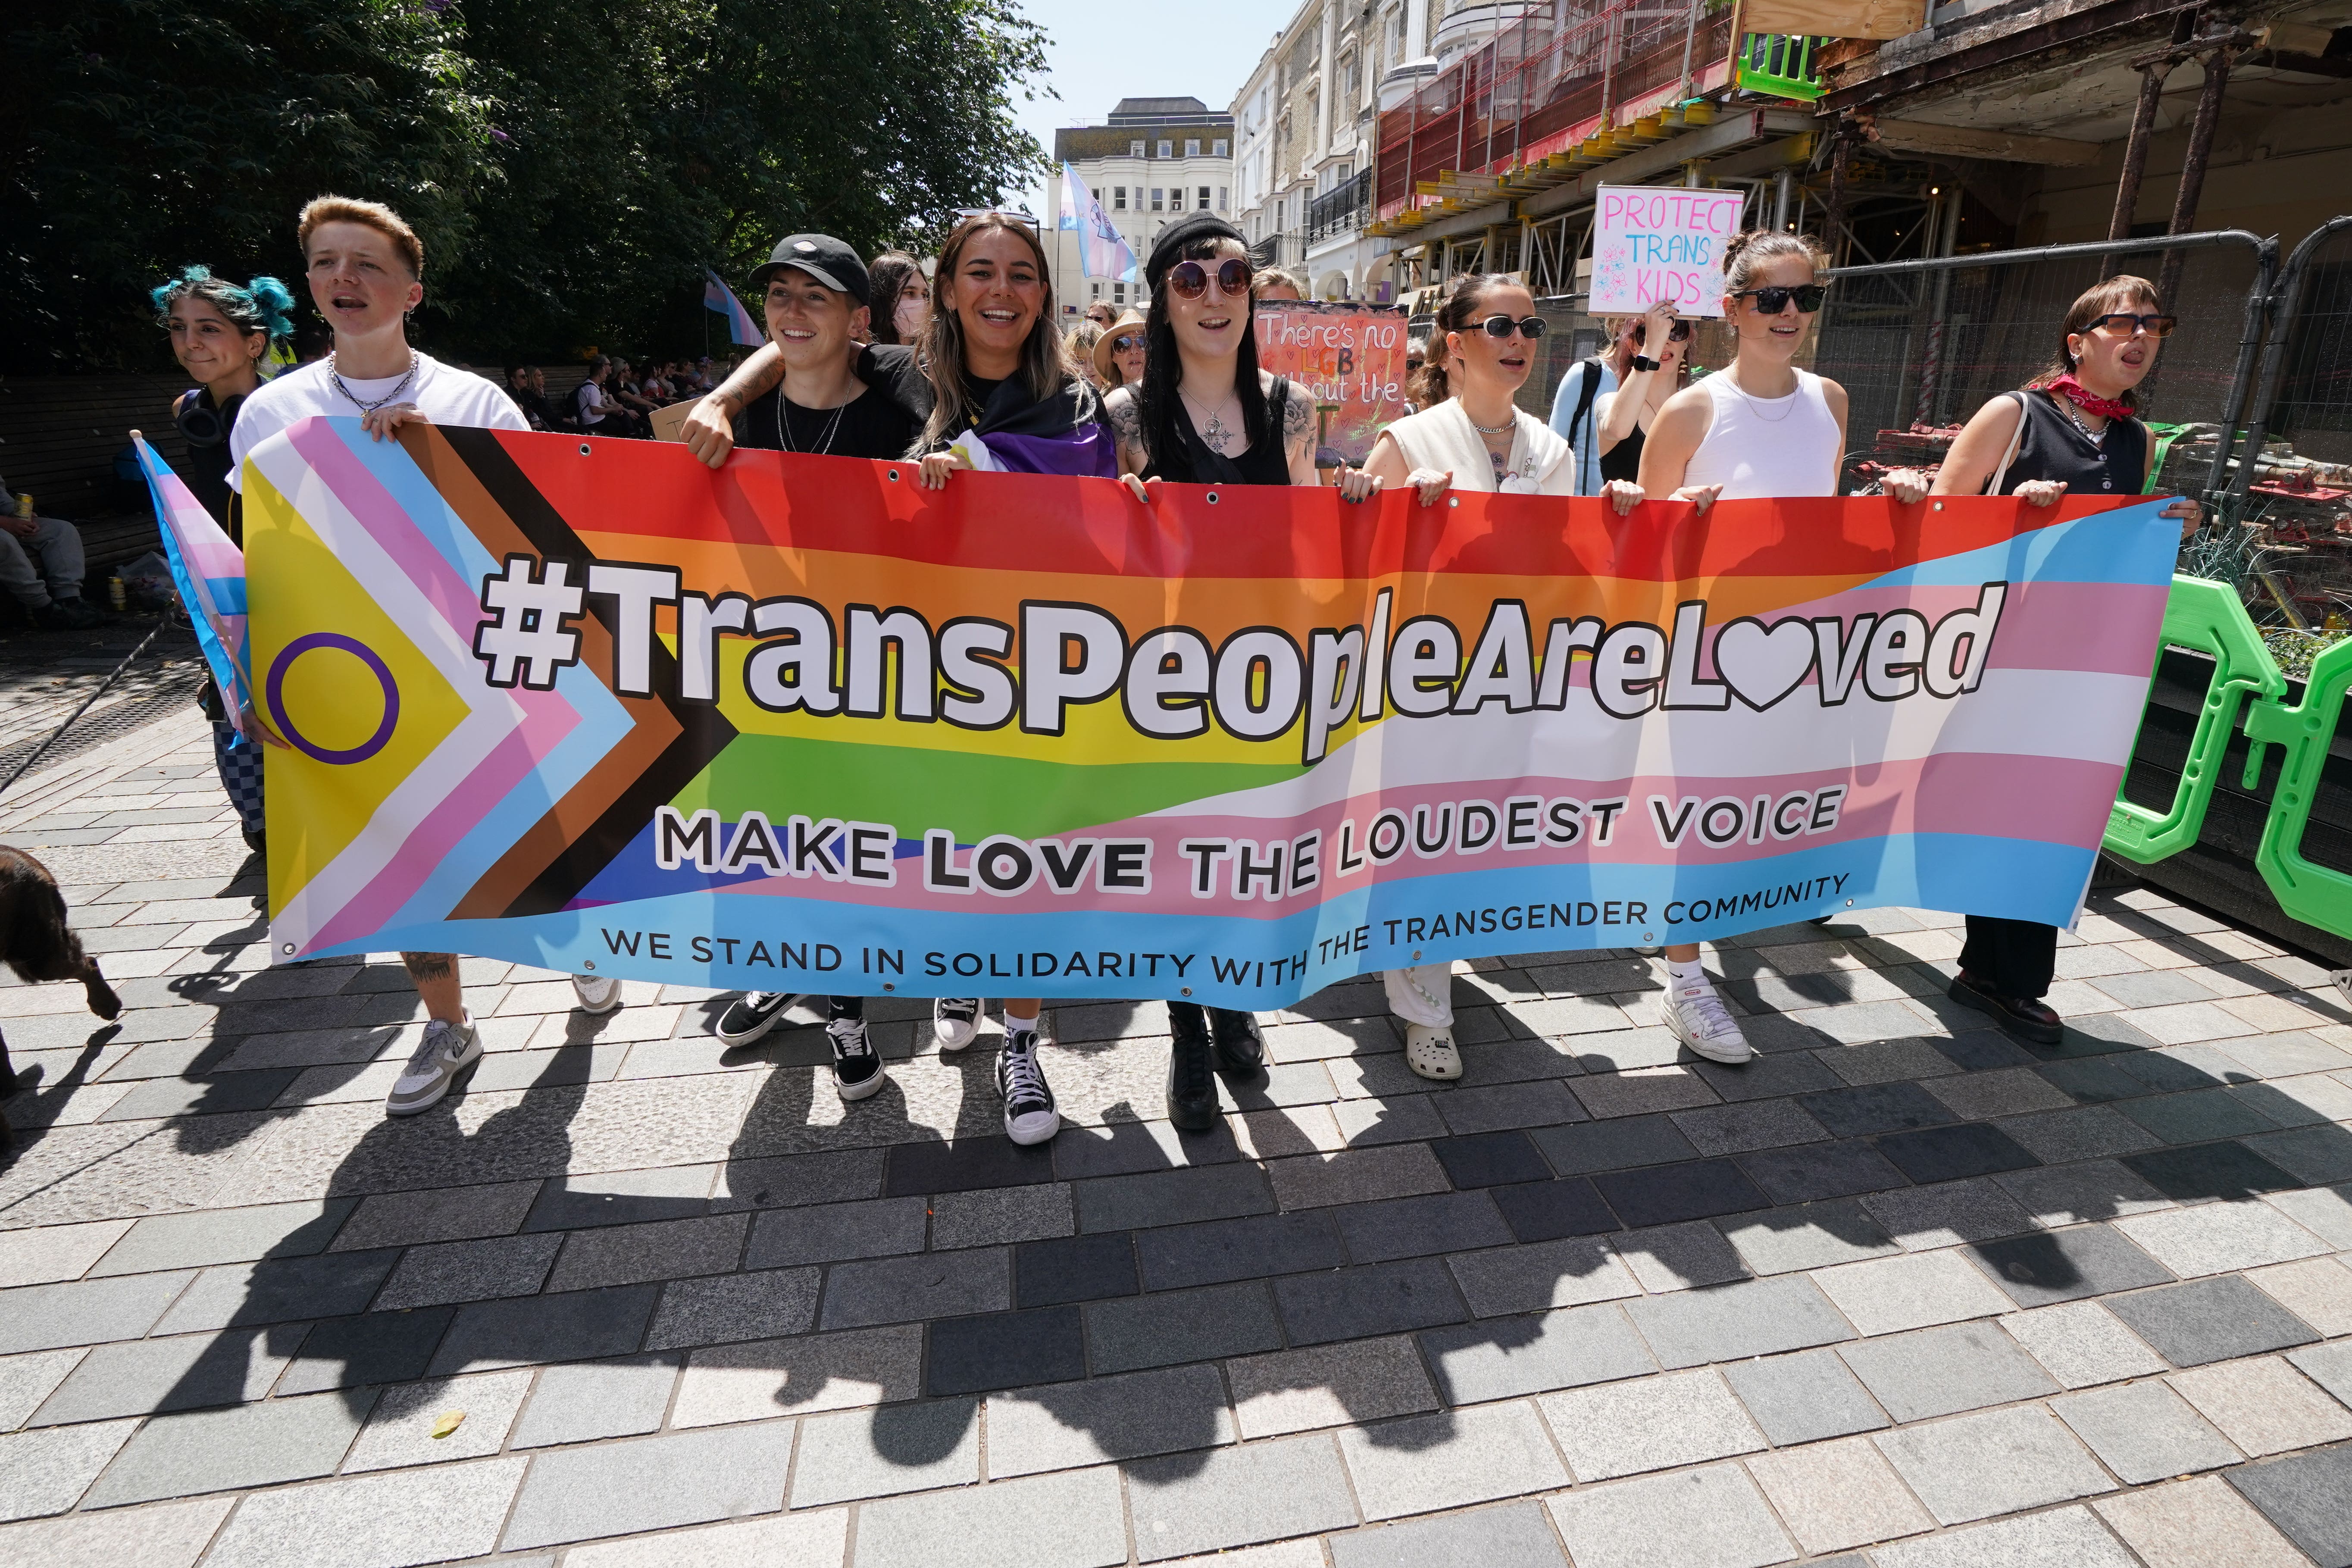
(1661, 243)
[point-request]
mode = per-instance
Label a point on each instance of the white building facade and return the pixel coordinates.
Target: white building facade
(1157, 160)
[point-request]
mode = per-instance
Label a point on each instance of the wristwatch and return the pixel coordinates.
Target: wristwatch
(1640, 363)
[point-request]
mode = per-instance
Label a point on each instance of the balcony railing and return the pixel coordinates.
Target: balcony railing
(1342, 210)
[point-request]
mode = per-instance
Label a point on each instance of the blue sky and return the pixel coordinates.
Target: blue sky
(1100, 51)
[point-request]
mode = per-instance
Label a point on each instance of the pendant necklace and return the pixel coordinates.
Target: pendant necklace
(384, 401)
(1215, 434)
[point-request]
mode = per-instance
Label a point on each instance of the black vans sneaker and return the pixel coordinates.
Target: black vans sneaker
(1029, 1113)
(754, 1015)
(856, 1065)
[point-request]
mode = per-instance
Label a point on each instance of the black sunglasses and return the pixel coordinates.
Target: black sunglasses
(1125, 343)
(1528, 327)
(1679, 333)
(1190, 279)
(1772, 300)
(2123, 322)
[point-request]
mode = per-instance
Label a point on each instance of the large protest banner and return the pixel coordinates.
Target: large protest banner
(800, 724)
(1349, 354)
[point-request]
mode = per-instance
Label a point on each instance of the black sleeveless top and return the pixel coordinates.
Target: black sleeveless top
(1265, 463)
(2054, 447)
(1623, 461)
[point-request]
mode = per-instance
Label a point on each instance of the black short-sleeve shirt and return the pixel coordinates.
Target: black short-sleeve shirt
(881, 423)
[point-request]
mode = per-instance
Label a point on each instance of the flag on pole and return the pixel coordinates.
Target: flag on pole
(1101, 252)
(209, 572)
(740, 328)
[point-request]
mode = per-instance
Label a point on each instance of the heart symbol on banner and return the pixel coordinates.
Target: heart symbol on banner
(1763, 665)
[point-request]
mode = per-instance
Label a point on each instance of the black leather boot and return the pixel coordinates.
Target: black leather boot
(1240, 1047)
(1192, 1085)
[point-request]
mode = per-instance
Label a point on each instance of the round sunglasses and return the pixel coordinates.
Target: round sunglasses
(1190, 279)
(1528, 327)
(2123, 322)
(1773, 299)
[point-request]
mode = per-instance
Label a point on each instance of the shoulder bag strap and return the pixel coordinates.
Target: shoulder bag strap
(2015, 440)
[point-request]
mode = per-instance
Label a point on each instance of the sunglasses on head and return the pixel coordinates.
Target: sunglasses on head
(1190, 279)
(1679, 333)
(1772, 300)
(1125, 343)
(1528, 327)
(2123, 322)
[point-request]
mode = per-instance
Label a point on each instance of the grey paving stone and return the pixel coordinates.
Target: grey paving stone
(2304, 1496)
(1514, 1534)
(1174, 1198)
(2067, 1264)
(399, 1430)
(1168, 1327)
(1942, 1371)
(376, 1347)
(2145, 1432)
(1415, 1227)
(2220, 1237)
(1998, 1461)
(1680, 1256)
(367, 1523)
(1247, 1249)
(1832, 1496)
(242, 1446)
(224, 1235)
(912, 1290)
(1005, 1350)
(2263, 1406)
(1184, 1503)
(2210, 1320)
(2196, 1523)
(2081, 1132)
(2330, 1367)
(1669, 1195)
(583, 1401)
(44, 1472)
(1808, 1236)
(2080, 1344)
(1814, 1171)
(760, 1305)
(791, 1180)
(1532, 1278)
(994, 1216)
(621, 1197)
(1804, 1397)
(45, 1317)
(140, 1377)
(1711, 1518)
(2197, 1116)
(1047, 1522)
(1754, 1124)
(1498, 1107)
(1649, 1423)
(51, 1253)
(1759, 1317)
(1355, 1177)
(1914, 1291)
(814, 1372)
(447, 1272)
(651, 1483)
(2069, 1195)
(1977, 1209)
(1123, 1148)
(580, 1325)
(1066, 1425)
(1452, 1460)
(29, 1379)
(166, 1535)
(1501, 1358)
(437, 1214)
(877, 1227)
(1617, 1144)
(888, 1449)
(1376, 1299)
(2061, 1537)
(656, 1249)
(1328, 1385)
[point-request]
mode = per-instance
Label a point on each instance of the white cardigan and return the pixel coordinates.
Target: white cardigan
(1442, 438)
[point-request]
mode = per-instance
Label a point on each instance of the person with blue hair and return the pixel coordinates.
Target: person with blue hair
(220, 335)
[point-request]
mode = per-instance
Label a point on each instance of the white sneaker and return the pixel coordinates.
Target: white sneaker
(1698, 1019)
(447, 1050)
(597, 992)
(955, 1021)
(1431, 1053)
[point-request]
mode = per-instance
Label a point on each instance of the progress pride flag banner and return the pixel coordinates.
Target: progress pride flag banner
(801, 724)
(1664, 243)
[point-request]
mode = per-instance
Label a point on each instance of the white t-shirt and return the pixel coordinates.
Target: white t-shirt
(592, 404)
(441, 392)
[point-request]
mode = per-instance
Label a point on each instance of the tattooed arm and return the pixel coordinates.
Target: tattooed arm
(1125, 416)
(710, 428)
(1297, 433)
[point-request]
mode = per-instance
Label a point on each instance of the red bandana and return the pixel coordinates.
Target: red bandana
(2090, 401)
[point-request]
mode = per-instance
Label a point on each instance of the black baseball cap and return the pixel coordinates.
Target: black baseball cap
(822, 257)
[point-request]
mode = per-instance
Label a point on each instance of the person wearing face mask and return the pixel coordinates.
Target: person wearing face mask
(901, 299)
(1119, 355)
(220, 334)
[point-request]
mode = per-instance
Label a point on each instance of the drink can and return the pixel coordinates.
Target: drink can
(24, 503)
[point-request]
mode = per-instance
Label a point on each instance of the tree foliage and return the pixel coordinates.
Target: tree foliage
(572, 165)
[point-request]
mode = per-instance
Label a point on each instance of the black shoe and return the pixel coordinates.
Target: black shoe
(74, 614)
(856, 1065)
(1240, 1047)
(256, 840)
(1192, 1086)
(754, 1014)
(2020, 1015)
(1029, 1113)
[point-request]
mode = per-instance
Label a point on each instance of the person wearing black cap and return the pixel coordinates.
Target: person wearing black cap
(1204, 413)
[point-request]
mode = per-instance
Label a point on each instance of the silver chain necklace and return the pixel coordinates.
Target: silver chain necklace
(1756, 408)
(363, 404)
(784, 435)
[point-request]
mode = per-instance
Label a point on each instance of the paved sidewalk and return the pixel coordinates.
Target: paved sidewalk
(1901, 1292)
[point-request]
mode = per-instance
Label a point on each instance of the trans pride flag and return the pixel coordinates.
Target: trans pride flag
(209, 573)
(1101, 252)
(740, 328)
(800, 723)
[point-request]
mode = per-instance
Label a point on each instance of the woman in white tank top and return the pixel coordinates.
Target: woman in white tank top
(1756, 429)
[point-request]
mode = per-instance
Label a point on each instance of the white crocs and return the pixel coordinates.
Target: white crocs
(1430, 1052)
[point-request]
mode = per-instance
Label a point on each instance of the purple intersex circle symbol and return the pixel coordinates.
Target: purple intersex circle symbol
(276, 687)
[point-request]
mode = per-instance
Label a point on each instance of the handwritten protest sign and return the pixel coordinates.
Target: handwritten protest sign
(1352, 355)
(1659, 243)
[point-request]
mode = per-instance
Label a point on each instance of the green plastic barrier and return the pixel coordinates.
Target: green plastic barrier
(2206, 616)
(2311, 894)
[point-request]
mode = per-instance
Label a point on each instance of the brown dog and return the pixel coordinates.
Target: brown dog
(34, 939)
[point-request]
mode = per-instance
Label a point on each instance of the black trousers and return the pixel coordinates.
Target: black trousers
(2016, 958)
